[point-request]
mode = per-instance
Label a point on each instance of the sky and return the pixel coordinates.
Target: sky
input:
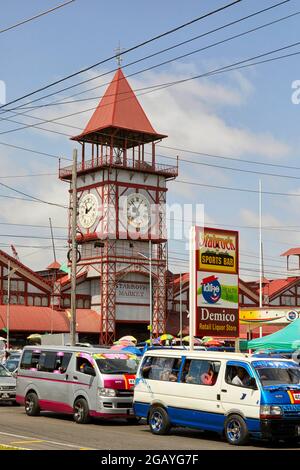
(246, 114)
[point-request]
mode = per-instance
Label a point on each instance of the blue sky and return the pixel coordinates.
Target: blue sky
(247, 114)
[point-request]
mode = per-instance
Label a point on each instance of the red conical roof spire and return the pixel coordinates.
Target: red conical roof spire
(119, 109)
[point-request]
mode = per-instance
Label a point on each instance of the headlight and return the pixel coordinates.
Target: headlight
(107, 392)
(270, 411)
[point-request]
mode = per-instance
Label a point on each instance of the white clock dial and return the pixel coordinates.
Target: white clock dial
(88, 210)
(138, 210)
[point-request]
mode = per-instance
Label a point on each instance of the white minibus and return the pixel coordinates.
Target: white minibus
(85, 382)
(238, 395)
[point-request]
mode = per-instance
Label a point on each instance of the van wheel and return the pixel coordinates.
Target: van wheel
(32, 407)
(159, 421)
(236, 431)
(81, 411)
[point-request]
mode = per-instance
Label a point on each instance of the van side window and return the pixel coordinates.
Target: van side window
(161, 368)
(47, 361)
(200, 372)
(238, 376)
(62, 361)
(30, 359)
(82, 363)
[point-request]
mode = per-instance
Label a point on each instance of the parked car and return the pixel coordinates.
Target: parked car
(7, 386)
(12, 365)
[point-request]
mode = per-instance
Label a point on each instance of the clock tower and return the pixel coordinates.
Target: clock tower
(121, 223)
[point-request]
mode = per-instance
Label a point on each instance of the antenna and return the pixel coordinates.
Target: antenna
(53, 246)
(15, 253)
(118, 52)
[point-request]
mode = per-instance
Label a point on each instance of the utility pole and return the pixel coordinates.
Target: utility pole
(10, 272)
(150, 288)
(73, 250)
(180, 307)
(260, 256)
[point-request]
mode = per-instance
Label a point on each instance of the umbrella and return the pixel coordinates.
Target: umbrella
(207, 338)
(196, 340)
(34, 336)
(129, 338)
(166, 337)
(214, 342)
(123, 343)
(154, 341)
(132, 350)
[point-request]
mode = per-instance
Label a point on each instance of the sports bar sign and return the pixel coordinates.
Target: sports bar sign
(217, 282)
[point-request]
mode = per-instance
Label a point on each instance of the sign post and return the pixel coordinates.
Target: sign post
(214, 282)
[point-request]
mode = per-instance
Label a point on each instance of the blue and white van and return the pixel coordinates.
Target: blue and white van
(238, 395)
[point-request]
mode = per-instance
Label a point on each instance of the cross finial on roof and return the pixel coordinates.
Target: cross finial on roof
(118, 52)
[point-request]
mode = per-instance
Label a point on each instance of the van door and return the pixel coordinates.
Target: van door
(238, 395)
(84, 379)
(53, 388)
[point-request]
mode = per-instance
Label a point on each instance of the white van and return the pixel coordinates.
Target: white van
(235, 394)
(85, 382)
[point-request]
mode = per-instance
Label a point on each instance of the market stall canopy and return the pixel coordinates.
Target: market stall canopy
(286, 338)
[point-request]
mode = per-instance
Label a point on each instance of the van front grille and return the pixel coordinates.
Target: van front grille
(124, 405)
(124, 393)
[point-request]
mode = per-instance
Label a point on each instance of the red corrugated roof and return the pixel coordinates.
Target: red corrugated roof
(44, 319)
(276, 285)
(291, 251)
(54, 265)
(119, 108)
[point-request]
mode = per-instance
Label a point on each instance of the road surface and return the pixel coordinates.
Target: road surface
(59, 432)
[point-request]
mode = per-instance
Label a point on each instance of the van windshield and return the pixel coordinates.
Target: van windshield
(277, 373)
(117, 363)
(4, 372)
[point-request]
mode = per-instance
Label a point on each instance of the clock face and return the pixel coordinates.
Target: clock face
(88, 208)
(138, 210)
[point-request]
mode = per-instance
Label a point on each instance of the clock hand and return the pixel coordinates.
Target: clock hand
(87, 209)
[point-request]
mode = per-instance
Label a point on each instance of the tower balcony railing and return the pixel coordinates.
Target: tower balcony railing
(169, 171)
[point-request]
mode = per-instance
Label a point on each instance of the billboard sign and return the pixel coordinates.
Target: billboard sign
(216, 282)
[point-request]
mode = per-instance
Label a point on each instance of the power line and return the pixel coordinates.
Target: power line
(148, 41)
(141, 71)
(27, 176)
(228, 68)
(33, 226)
(34, 151)
(150, 56)
(230, 188)
(35, 17)
(223, 157)
(32, 197)
(242, 170)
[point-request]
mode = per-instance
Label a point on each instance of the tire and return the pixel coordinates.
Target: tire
(236, 431)
(32, 407)
(81, 412)
(159, 421)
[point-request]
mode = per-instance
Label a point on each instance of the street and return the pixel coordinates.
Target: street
(57, 432)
